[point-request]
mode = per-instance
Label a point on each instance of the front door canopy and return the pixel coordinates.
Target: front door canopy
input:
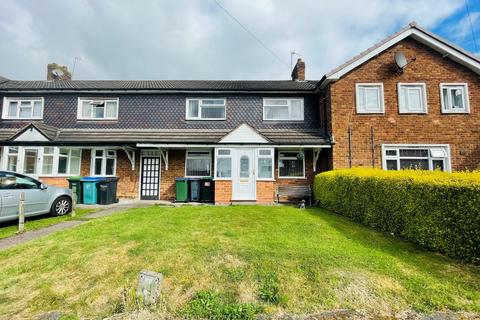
(244, 134)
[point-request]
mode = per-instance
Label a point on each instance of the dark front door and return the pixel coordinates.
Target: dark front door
(150, 185)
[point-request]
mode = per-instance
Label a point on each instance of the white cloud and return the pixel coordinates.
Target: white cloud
(185, 39)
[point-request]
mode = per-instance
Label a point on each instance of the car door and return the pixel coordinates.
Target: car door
(12, 185)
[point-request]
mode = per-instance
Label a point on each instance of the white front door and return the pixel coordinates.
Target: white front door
(244, 184)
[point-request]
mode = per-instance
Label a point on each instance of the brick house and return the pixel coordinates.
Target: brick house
(251, 136)
(422, 116)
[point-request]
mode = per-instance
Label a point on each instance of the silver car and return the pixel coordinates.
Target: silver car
(39, 198)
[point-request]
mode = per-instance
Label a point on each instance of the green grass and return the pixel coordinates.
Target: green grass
(240, 259)
(10, 228)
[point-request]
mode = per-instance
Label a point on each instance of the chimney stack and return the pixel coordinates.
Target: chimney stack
(58, 72)
(298, 73)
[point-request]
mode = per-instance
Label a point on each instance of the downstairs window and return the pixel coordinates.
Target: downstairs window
(416, 157)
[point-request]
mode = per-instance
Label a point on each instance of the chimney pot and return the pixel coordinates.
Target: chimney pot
(64, 73)
(298, 72)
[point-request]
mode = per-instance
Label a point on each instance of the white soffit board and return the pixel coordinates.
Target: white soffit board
(31, 134)
(418, 35)
(243, 134)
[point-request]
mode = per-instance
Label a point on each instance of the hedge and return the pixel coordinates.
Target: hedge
(438, 210)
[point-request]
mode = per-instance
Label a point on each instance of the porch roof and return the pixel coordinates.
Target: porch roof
(173, 136)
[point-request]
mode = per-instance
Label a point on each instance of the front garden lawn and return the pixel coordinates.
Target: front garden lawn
(275, 259)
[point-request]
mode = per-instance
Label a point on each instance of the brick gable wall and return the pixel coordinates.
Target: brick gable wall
(460, 131)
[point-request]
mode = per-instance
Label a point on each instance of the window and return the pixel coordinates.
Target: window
(369, 97)
(454, 98)
(47, 163)
(12, 158)
(265, 164)
(283, 109)
(206, 109)
(97, 109)
(223, 165)
(291, 164)
(22, 108)
(104, 162)
(44, 161)
(197, 164)
(416, 157)
(412, 98)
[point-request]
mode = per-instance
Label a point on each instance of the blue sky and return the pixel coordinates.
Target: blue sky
(192, 39)
(456, 28)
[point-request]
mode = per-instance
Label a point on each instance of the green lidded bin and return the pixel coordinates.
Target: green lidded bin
(181, 189)
(75, 182)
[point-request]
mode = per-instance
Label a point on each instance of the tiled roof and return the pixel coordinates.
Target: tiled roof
(129, 136)
(163, 85)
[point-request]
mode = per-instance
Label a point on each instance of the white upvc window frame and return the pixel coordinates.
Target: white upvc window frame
(466, 99)
(104, 158)
(363, 110)
(40, 160)
(92, 117)
(403, 109)
(289, 104)
(201, 105)
(259, 156)
(198, 150)
(430, 157)
(289, 158)
(219, 156)
(8, 100)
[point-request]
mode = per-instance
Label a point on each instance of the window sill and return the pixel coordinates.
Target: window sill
(224, 119)
(268, 180)
(455, 112)
(222, 179)
(96, 120)
(21, 119)
(292, 178)
(413, 113)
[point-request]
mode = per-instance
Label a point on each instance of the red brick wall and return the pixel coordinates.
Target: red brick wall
(460, 131)
(176, 169)
(223, 191)
(265, 192)
(55, 181)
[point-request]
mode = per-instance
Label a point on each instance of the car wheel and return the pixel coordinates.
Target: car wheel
(61, 206)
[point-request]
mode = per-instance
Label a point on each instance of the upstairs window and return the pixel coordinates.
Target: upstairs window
(412, 98)
(454, 98)
(206, 109)
(416, 157)
(198, 163)
(369, 98)
(22, 108)
(283, 109)
(97, 109)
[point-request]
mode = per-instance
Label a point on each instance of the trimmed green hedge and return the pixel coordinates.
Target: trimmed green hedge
(438, 210)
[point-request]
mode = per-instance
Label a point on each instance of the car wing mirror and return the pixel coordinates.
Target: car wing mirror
(43, 186)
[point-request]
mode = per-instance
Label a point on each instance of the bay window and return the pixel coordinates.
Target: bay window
(265, 163)
(283, 109)
(104, 162)
(416, 157)
(198, 163)
(97, 109)
(22, 108)
(42, 161)
(223, 163)
(291, 164)
(206, 109)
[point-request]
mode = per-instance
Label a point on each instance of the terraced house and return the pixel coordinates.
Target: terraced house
(408, 102)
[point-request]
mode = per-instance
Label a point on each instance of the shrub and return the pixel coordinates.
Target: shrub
(438, 210)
